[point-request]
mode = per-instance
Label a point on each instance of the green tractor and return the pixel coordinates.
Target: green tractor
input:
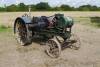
(54, 30)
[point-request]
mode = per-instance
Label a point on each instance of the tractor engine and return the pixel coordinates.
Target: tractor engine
(39, 23)
(61, 21)
(56, 21)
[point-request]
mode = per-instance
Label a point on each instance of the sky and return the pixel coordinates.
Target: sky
(73, 3)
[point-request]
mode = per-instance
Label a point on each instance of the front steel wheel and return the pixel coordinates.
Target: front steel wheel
(53, 48)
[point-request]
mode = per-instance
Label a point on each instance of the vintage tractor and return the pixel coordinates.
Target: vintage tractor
(54, 30)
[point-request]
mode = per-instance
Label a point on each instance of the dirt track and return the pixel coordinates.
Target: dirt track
(14, 55)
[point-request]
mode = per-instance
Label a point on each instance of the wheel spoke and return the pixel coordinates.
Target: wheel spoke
(21, 34)
(54, 49)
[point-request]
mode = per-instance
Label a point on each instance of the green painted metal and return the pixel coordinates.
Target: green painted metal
(61, 24)
(64, 21)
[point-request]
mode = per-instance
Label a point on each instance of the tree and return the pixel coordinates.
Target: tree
(42, 6)
(2, 9)
(94, 8)
(33, 8)
(11, 8)
(65, 8)
(22, 7)
(85, 8)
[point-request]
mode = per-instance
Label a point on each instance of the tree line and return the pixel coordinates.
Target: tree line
(42, 6)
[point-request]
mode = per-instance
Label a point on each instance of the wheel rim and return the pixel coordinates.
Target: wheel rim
(53, 49)
(20, 33)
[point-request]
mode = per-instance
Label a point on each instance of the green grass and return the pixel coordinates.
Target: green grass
(95, 25)
(94, 21)
(4, 28)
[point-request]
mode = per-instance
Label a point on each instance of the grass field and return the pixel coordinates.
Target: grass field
(7, 18)
(14, 55)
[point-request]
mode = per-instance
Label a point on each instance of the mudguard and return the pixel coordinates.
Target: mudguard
(25, 20)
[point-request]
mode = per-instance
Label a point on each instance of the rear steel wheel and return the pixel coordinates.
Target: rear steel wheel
(21, 32)
(53, 48)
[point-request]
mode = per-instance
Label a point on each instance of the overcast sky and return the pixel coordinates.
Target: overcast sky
(74, 3)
